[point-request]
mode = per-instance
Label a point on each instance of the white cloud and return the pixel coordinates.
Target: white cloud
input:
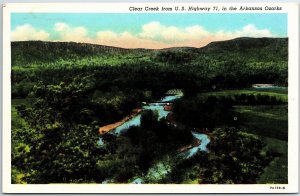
(126, 40)
(172, 34)
(27, 32)
(152, 35)
(156, 35)
(151, 30)
(68, 33)
(60, 26)
(251, 31)
(106, 36)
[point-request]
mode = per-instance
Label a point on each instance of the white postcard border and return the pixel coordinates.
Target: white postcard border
(293, 101)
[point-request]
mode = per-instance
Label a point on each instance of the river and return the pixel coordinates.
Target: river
(156, 106)
(159, 107)
(202, 147)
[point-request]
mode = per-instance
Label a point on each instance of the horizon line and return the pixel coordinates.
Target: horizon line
(111, 46)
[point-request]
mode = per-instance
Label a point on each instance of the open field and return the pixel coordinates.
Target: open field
(278, 93)
(268, 121)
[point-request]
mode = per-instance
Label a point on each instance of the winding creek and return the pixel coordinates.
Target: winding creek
(204, 140)
(159, 107)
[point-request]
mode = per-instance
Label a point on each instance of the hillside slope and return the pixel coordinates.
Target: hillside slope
(27, 52)
(35, 52)
(270, 49)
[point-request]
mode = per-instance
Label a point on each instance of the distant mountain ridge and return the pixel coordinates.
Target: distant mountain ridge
(247, 42)
(26, 52)
(23, 51)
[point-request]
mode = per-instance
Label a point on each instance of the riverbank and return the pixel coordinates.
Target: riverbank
(110, 127)
(196, 143)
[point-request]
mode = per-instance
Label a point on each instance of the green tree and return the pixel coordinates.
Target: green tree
(149, 119)
(236, 157)
(58, 148)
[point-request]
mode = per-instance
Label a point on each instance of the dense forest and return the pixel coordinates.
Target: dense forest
(62, 92)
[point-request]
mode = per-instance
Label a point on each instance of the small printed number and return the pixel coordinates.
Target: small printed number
(277, 187)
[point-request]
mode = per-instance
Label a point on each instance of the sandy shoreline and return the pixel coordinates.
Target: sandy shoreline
(112, 126)
(197, 142)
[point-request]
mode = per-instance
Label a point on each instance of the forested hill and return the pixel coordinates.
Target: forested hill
(35, 53)
(27, 52)
(247, 42)
(270, 49)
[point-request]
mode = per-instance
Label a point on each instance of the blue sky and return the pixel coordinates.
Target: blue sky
(145, 30)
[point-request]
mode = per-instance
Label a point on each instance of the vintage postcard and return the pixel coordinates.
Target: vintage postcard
(150, 98)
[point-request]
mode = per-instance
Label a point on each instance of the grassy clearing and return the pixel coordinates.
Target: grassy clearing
(277, 112)
(278, 93)
(267, 121)
(273, 90)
